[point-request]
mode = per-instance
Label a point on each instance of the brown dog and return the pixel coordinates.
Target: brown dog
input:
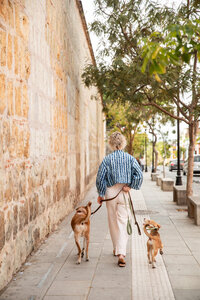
(81, 226)
(154, 242)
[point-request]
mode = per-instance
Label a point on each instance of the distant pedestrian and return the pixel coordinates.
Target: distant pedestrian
(142, 163)
(117, 170)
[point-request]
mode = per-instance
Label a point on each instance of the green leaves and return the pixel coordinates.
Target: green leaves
(180, 42)
(147, 55)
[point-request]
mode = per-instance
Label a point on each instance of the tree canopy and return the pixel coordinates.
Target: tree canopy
(149, 57)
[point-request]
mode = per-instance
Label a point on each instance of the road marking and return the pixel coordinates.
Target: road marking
(70, 236)
(62, 249)
(45, 276)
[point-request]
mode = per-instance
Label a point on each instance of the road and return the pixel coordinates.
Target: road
(196, 179)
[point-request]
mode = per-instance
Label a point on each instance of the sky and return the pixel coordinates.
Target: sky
(89, 8)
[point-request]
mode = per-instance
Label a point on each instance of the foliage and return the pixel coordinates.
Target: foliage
(139, 145)
(149, 58)
(125, 119)
(164, 149)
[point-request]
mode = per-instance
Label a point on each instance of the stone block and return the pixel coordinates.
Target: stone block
(2, 93)
(3, 9)
(3, 48)
(10, 16)
(179, 194)
(9, 52)
(10, 98)
(8, 225)
(158, 180)
(27, 65)
(2, 230)
(15, 221)
(36, 235)
(33, 206)
(194, 208)
(18, 106)
(21, 23)
(16, 55)
(6, 11)
(23, 214)
(167, 184)
(154, 176)
(25, 102)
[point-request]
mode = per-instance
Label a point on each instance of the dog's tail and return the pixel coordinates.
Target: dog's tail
(148, 234)
(88, 208)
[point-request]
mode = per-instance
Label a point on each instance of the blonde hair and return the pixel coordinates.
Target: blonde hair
(117, 141)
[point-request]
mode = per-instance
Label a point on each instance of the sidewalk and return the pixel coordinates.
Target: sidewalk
(52, 274)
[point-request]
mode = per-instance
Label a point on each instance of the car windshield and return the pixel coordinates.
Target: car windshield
(197, 158)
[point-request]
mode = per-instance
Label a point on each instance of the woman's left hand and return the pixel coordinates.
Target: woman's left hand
(99, 199)
(126, 189)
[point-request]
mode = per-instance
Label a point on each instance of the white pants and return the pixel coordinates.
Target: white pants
(117, 218)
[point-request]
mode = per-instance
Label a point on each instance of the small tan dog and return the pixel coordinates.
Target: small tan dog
(81, 226)
(154, 242)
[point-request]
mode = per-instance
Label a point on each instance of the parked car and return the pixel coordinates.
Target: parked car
(173, 165)
(196, 169)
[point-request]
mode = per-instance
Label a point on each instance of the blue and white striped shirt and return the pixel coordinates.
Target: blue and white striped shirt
(118, 167)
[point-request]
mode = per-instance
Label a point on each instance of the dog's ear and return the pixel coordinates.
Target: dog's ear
(158, 225)
(78, 208)
(89, 203)
(147, 221)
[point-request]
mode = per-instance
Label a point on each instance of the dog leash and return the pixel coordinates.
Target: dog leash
(128, 226)
(133, 212)
(130, 205)
(105, 200)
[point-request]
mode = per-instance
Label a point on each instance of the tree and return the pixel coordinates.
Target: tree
(164, 148)
(125, 119)
(132, 73)
(178, 46)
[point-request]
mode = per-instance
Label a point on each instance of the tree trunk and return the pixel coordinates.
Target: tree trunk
(192, 140)
(164, 168)
(155, 151)
(130, 141)
(156, 155)
(164, 157)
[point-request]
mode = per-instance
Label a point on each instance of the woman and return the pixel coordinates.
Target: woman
(117, 170)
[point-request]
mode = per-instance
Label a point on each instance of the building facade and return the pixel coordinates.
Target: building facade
(51, 132)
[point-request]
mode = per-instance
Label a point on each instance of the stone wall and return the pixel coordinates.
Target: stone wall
(51, 132)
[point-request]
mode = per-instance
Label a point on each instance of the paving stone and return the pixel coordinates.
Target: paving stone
(185, 282)
(197, 256)
(67, 288)
(187, 294)
(110, 293)
(179, 259)
(188, 270)
(175, 249)
(104, 280)
(74, 274)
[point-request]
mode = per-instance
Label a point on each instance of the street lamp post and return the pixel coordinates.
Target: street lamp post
(178, 176)
(152, 171)
(145, 142)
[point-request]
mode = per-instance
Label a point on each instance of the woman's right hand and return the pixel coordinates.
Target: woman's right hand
(126, 189)
(99, 200)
